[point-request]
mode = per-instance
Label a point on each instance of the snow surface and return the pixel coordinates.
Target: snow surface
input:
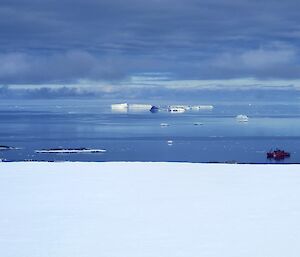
(149, 210)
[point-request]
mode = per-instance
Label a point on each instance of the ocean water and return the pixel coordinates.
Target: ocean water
(31, 125)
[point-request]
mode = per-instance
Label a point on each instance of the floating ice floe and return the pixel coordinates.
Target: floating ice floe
(242, 118)
(71, 150)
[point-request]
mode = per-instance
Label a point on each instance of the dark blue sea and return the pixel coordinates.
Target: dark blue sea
(30, 125)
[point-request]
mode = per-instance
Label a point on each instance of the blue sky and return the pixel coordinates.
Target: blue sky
(110, 45)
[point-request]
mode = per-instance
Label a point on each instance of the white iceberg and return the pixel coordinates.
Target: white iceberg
(119, 108)
(242, 118)
(176, 109)
(164, 124)
(140, 107)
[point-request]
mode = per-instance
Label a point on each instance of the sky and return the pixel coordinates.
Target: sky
(112, 45)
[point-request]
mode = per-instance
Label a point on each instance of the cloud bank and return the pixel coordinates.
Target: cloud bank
(68, 41)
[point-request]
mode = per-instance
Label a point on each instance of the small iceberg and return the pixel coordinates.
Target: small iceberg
(71, 150)
(170, 142)
(242, 118)
(154, 109)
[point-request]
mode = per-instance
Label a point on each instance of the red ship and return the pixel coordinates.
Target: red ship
(278, 154)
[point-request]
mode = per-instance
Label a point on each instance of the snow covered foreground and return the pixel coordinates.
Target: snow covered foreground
(149, 210)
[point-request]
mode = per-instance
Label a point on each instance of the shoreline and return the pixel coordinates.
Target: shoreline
(185, 162)
(120, 164)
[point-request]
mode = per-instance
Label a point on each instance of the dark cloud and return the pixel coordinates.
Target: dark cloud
(53, 41)
(67, 67)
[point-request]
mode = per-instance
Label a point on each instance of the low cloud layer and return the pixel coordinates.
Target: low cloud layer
(68, 41)
(155, 95)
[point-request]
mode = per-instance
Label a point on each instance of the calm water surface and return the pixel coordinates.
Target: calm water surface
(137, 136)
